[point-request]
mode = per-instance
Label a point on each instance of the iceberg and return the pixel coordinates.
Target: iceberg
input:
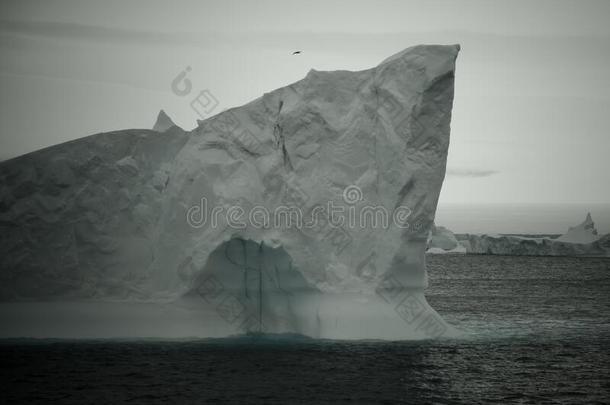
(304, 211)
(583, 233)
(581, 240)
(441, 240)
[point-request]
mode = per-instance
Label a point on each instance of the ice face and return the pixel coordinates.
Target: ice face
(382, 133)
(340, 171)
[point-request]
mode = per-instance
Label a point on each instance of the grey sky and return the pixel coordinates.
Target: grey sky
(532, 89)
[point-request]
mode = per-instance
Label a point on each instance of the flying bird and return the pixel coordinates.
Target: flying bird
(296, 52)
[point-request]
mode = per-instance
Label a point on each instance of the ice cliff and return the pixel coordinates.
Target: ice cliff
(190, 218)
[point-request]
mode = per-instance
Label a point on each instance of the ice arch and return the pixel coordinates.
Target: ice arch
(255, 288)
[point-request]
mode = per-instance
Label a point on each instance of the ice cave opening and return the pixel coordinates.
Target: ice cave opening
(256, 288)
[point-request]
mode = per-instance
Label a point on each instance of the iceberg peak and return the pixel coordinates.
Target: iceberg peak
(163, 122)
(583, 233)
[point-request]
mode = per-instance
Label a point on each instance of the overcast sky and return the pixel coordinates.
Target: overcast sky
(532, 102)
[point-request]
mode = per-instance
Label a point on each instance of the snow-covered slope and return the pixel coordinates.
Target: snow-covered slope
(131, 214)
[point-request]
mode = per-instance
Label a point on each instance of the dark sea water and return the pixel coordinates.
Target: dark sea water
(539, 334)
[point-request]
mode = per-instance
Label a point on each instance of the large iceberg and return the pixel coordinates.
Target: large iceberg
(305, 211)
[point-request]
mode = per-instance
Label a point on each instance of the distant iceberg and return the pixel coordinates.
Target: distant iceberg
(584, 233)
(581, 240)
(441, 240)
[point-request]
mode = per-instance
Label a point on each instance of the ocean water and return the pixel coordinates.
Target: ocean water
(538, 334)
